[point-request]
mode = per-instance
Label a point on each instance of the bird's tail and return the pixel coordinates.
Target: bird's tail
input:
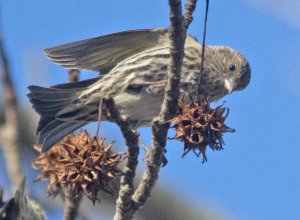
(48, 102)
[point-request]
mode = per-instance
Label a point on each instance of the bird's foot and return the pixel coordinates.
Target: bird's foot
(148, 158)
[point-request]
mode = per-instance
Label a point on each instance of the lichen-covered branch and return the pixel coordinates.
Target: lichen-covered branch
(71, 206)
(177, 34)
(9, 140)
(190, 7)
(124, 202)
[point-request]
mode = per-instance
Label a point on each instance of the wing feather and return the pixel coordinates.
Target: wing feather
(103, 52)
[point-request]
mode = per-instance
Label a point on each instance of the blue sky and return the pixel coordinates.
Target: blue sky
(256, 176)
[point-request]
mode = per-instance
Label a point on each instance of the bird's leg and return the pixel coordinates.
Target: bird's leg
(148, 154)
(99, 115)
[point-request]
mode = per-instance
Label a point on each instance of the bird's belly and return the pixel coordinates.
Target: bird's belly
(139, 108)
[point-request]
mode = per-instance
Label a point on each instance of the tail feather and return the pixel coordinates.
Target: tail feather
(48, 102)
(42, 106)
(43, 122)
(77, 85)
(55, 131)
(46, 129)
(50, 94)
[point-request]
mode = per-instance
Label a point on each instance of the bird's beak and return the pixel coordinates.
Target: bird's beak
(230, 85)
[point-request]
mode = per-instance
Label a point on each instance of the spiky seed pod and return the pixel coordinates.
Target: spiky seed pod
(199, 126)
(79, 164)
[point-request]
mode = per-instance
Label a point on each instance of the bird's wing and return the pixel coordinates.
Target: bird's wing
(104, 52)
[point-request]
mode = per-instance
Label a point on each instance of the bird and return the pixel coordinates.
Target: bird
(133, 68)
(20, 207)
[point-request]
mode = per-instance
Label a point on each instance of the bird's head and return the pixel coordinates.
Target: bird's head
(227, 69)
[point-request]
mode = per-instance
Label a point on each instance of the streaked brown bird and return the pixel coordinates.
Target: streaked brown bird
(20, 207)
(133, 66)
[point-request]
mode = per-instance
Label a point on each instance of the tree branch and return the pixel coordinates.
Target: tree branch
(9, 130)
(126, 206)
(71, 206)
(190, 7)
(177, 34)
(126, 184)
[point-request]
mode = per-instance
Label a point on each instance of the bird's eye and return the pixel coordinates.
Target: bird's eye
(232, 67)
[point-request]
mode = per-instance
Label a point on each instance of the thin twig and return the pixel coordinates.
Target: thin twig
(203, 49)
(71, 206)
(126, 183)
(9, 131)
(100, 107)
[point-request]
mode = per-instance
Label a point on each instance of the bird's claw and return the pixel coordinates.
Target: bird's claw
(149, 155)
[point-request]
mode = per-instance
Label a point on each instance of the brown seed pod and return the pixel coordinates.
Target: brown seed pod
(199, 126)
(79, 164)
